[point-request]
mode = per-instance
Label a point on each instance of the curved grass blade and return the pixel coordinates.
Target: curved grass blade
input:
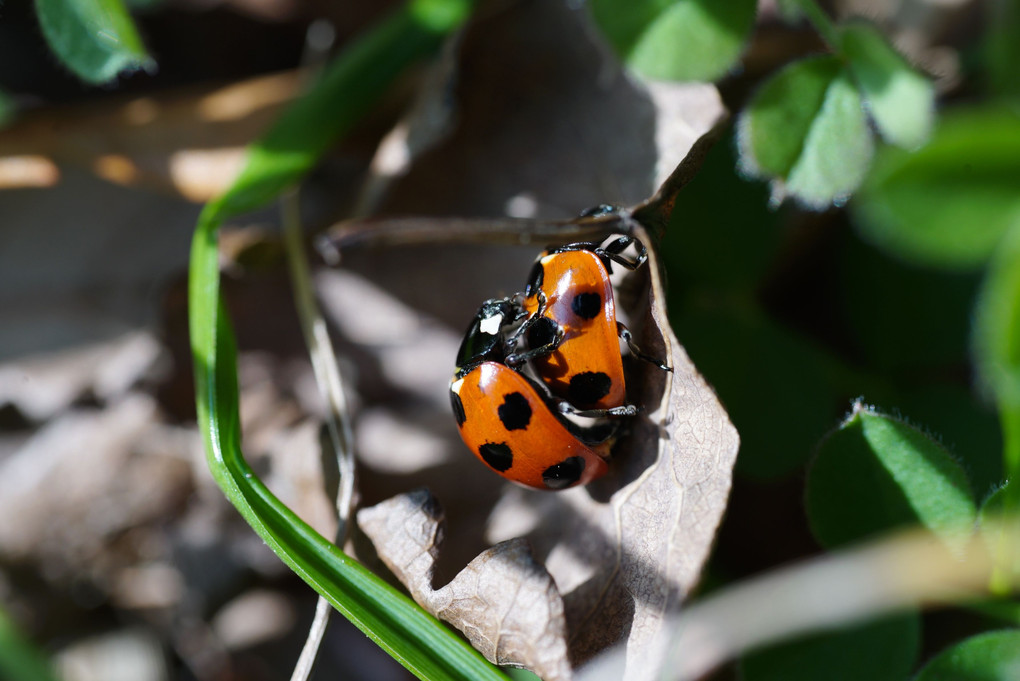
(345, 91)
(405, 631)
(96, 39)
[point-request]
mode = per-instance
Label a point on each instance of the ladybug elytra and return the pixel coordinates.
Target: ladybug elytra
(584, 366)
(504, 417)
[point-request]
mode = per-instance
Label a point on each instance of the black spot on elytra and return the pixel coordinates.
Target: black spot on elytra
(587, 305)
(515, 412)
(498, 455)
(458, 408)
(542, 333)
(588, 387)
(564, 474)
(535, 279)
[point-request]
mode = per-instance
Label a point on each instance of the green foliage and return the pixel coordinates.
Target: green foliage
(900, 100)
(998, 323)
(992, 656)
(748, 358)
(1002, 50)
(948, 204)
(806, 130)
(720, 244)
(722, 235)
(997, 350)
(966, 425)
(903, 317)
(883, 650)
(19, 659)
(837, 149)
(788, 104)
(96, 39)
(677, 39)
(876, 473)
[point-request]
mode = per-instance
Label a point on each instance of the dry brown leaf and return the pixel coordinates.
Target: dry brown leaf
(59, 490)
(626, 550)
(505, 603)
(44, 384)
(548, 123)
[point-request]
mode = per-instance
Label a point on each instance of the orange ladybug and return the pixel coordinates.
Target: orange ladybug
(505, 418)
(576, 328)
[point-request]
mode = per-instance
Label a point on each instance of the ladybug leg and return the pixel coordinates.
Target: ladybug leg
(628, 338)
(599, 211)
(597, 434)
(615, 248)
(544, 336)
(517, 299)
(550, 336)
(570, 410)
(576, 246)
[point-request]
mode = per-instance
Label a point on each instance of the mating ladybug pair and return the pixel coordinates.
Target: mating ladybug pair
(566, 319)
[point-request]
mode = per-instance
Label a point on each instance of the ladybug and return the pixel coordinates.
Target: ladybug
(505, 418)
(577, 329)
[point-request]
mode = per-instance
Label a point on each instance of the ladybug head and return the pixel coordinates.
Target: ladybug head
(485, 340)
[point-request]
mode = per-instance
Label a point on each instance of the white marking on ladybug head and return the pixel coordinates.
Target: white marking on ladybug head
(456, 386)
(491, 325)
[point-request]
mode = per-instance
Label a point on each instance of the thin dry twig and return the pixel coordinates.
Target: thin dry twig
(330, 382)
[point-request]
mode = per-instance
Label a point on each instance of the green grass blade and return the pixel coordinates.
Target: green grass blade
(96, 39)
(345, 91)
(408, 633)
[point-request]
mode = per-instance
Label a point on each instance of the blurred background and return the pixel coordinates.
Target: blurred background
(119, 556)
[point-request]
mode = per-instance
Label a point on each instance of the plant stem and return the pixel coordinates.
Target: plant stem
(820, 21)
(1007, 553)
